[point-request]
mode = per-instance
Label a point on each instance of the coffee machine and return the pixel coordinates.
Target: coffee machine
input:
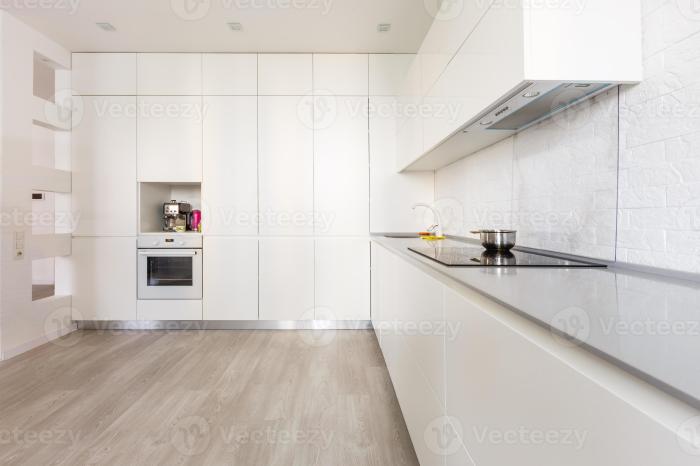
(175, 216)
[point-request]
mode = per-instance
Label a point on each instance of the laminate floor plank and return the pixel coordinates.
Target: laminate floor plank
(203, 397)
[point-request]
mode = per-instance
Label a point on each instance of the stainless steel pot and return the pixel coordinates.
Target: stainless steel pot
(497, 240)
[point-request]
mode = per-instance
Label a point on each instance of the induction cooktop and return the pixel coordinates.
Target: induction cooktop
(479, 257)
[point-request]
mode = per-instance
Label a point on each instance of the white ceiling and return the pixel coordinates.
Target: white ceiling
(200, 25)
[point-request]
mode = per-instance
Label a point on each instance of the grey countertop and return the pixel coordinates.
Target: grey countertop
(646, 323)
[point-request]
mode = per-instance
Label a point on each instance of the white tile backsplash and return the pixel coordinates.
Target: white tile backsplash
(570, 172)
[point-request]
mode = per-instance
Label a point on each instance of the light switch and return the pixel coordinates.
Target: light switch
(19, 245)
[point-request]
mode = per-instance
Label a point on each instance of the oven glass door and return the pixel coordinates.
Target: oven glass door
(170, 274)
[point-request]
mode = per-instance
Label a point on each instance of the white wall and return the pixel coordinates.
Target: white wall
(564, 191)
(22, 324)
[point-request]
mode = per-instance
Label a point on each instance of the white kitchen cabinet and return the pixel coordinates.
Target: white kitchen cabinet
(104, 168)
(286, 165)
(230, 166)
(341, 169)
(169, 74)
(230, 278)
(285, 74)
(342, 279)
(387, 71)
(169, 310)
(104, 74)
(393, 195)
(170, 139)
(340, 74)
(544, 403)
(230, 74)
(287, 279)
(103, 275)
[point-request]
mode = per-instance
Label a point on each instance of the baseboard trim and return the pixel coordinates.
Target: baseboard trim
(37, 342)
(225, 325)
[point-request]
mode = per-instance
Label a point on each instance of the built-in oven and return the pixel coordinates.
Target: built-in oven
(170, 267)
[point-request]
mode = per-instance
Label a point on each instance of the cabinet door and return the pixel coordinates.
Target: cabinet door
(287, 279)
(104, 73)
(230, 74)
(342, 279)
(103, 274)
(285, 74)
(230, 165)
(341, 172)
(393, 194)
(505, 381)
(104, 168)
(341, 74)
(230, 278)
(169, 74)
(286, 161)
(170, 139)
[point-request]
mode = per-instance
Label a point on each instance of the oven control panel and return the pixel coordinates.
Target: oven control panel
(174, 241)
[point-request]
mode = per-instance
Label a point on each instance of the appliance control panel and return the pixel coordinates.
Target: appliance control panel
(170, 241)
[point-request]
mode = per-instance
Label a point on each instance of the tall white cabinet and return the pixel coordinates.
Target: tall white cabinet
(285, 148)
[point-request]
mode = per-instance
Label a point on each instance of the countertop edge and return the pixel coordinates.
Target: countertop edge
(441, 272)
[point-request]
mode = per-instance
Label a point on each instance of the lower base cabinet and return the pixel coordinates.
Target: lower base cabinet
(149, 310)
(230, 283)
(103, 276)
(512, 396)
(287, 279)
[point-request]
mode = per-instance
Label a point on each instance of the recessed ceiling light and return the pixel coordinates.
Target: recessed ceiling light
(106, 27)
(235, 26)
(383, 27)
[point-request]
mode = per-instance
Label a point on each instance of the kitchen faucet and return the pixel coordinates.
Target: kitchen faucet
(436, 229)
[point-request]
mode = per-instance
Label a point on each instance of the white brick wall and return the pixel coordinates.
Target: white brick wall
(564, 177)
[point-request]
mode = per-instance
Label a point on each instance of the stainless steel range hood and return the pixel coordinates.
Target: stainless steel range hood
(522, 108)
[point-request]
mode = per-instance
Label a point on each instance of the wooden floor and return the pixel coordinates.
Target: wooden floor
(215, 397)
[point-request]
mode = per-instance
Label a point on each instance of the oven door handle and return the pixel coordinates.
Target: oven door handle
(168, 253)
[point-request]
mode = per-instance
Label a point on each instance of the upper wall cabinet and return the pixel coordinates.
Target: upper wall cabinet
(230, 191)
(170, 139)
(285, 74)
(104, 74)
(169, 74)
(340, 74)
(230, 74)
(516, 66)
(387, 72)
(104, 168)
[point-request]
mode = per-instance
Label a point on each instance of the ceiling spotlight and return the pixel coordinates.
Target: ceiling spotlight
(383, 27)
(235, 26)
(106, 27)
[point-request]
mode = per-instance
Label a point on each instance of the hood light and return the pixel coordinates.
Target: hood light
(531, 95)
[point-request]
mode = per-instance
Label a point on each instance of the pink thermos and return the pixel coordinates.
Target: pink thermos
(196, 220)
